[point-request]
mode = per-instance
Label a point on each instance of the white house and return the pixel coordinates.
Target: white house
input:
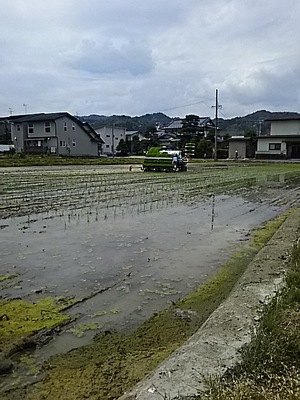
(111, 136)
(283, 140)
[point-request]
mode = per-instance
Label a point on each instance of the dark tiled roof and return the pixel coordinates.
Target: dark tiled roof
(177, 123)
(36, 117)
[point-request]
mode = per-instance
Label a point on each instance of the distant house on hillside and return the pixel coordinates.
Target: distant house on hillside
(283, 140)
(53, 133)
(205, 125)
(167, 140)
(111, 136)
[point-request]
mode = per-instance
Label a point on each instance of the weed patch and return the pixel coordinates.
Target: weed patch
(19, 320)
(270, 367)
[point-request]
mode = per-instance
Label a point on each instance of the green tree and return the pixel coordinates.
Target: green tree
(150, 131)
(122, 147)
(190, 125)
(204, 148)
(136, 145)
(190, 129)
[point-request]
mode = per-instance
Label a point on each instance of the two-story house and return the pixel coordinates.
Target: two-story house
(53, 133)
(283, 140)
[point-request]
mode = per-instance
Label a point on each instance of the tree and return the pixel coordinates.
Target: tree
(136, 145)
(190, 125)
(150, 131)
(204, 148)
(189, 130)
(122, 147)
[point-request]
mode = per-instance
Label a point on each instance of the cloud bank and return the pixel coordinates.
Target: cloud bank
(116, 57)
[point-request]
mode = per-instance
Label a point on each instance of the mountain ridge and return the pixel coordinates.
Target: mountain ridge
(254, 122)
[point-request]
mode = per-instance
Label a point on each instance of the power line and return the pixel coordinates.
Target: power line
(186, 105)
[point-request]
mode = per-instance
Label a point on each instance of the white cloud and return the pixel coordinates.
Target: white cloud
(117, 57)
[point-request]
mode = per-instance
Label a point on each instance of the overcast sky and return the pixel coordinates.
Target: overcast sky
(135, 57)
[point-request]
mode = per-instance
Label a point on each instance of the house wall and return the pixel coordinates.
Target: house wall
(73, 139)
(263, 145)
(264, 151)
(66, 138)
(111, 137)
(19, 133)
(285, 127)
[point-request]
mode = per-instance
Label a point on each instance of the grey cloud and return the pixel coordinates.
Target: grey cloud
(130, 57)
(116, 56)
(266, 87)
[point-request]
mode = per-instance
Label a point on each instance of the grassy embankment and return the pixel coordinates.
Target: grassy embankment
(23, 160)
(114, 362)
(270, 369)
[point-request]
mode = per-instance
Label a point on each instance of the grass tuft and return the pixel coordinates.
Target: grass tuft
(270, 368)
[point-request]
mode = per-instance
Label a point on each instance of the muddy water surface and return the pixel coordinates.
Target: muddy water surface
(127, 267)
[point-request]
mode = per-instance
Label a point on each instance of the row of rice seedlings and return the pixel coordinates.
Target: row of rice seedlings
(88, 189)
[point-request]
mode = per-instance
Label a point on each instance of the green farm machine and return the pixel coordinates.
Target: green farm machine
(164, 161)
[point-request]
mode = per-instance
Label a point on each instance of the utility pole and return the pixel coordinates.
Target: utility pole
(217, 107)
(216, 125)
(113, 140)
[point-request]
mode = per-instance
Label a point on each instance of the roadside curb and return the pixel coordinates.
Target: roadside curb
(216, 346)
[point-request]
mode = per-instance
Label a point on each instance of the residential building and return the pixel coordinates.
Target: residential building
(111, 136)
(283, 140)
(239, 147)
(167, 140)
(205, 126)
(53, 133)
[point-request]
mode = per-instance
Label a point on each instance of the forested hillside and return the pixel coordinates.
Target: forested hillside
(255, 122)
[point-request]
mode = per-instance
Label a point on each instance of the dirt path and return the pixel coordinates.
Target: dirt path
(216, 345)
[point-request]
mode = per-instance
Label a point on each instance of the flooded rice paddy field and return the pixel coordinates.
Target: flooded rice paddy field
(126, 243)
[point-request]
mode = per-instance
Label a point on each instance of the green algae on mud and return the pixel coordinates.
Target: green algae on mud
(114, 363)
(8, 276)
(20, 320)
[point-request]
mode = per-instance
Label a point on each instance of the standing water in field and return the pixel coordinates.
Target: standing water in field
(125, 244)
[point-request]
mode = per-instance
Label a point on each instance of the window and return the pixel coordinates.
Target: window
(116, 138)
(18, 127)
(274, 146)
(108, 136)
(47, 126)
(73, 143)
(30, 127)
(65, 126)
(73, 127)
(62, 143)
(107, 146)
